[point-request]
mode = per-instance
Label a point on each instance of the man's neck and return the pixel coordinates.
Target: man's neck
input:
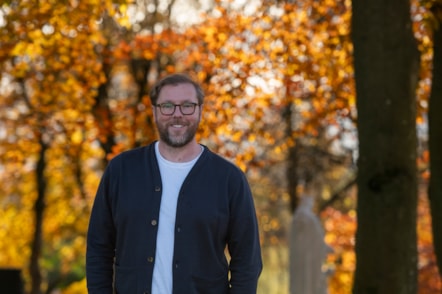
(179, 154)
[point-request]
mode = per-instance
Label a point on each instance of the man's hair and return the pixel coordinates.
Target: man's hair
(175, 79)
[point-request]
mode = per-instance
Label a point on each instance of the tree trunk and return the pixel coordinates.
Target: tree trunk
(292, 160)
(386, 63)
(435, 144)
(37, 242)
(292, 177)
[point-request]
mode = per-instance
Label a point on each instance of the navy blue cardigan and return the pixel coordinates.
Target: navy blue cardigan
(215, 208)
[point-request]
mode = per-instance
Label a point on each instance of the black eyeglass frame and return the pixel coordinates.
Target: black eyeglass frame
(161, 107)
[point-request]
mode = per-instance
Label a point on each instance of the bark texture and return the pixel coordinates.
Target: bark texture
(386, 63)
(435, 142)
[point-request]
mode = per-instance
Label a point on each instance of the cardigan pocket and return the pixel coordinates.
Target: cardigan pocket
(131, 279)
(204, 285)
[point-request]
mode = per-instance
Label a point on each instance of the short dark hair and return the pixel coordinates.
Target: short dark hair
(175, 79)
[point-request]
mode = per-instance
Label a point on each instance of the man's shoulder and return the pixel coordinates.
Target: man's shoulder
(220, 162)
(135, 155)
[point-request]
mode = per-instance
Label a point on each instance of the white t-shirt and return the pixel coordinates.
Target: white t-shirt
(172, 175)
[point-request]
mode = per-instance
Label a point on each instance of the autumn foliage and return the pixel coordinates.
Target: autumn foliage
(74, 92)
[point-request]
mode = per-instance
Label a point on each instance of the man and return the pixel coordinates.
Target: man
(165, 213)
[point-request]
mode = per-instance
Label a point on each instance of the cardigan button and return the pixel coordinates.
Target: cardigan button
(153, 222)
(150, 259)
(157, 189)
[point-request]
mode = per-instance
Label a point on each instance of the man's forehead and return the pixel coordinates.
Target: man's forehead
(183, 90)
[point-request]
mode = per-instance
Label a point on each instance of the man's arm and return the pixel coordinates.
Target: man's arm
(100, 250)
(244, 244)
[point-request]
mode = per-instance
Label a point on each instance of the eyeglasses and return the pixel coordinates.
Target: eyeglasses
(168, 108)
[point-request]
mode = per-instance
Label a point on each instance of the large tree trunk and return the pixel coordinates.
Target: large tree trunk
(435, 143)
(386, 64)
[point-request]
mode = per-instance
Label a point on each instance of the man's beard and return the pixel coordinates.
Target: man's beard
(178, 140)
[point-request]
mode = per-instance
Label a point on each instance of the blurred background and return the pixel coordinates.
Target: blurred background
(280, 103)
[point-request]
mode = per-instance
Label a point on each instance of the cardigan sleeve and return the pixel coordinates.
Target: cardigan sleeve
(243, 239)
(100, 250)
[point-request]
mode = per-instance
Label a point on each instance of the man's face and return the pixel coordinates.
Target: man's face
(177, 130)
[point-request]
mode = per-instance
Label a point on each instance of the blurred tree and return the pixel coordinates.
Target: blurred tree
(435, 131)
(50, 65)
(386, 62)
(282, 75)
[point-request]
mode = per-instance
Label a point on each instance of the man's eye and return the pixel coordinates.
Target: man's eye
(187, 105)
(167, 105)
